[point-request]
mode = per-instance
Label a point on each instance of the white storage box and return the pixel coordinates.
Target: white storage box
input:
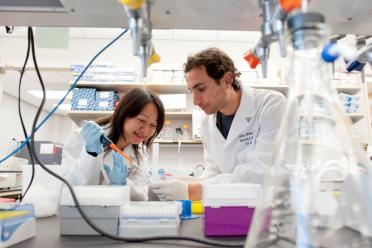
(97, 195)
(101, 203)
(145, 219)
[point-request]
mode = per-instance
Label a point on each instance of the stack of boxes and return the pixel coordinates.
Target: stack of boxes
(104, 72)
(83, 99)
(105, 100)
(91, 99)
(99, 72)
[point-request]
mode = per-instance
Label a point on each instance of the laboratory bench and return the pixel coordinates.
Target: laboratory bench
(47, 235)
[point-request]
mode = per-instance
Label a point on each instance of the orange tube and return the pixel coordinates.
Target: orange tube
(289, 5)
(115, 148)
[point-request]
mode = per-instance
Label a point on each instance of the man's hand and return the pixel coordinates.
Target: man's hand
(170, 190)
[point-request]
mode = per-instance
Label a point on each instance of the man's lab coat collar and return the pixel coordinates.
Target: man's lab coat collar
(243, 115)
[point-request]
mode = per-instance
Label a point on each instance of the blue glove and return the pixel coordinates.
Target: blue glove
(91, 133)
(119, 171)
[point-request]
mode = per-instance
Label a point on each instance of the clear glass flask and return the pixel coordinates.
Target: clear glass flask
(314, 193)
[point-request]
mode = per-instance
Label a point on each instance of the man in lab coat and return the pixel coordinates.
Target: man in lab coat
(238, 132)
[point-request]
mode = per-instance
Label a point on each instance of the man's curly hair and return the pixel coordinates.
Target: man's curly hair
(216, 63)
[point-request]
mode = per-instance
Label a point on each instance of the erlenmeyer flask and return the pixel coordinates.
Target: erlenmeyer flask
(305, 201)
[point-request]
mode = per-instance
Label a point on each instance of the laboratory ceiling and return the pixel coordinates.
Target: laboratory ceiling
(344, 16)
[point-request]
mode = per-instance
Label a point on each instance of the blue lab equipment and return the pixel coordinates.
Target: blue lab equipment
(329, 54)
(105, 141)
(364, 55)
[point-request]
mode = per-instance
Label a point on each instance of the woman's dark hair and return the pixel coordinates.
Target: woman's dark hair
(131, 105)
(216, 63)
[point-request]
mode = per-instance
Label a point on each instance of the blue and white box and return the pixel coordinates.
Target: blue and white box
(83, 99)
(105, 100)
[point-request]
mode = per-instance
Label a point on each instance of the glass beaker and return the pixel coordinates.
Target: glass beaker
(308, 198)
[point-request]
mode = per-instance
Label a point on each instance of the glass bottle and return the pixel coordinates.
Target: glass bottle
(308, 198)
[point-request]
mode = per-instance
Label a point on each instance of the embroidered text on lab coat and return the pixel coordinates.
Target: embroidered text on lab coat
(247, 137)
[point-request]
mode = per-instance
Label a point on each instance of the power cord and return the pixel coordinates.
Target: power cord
(21, 118)
(77, 204)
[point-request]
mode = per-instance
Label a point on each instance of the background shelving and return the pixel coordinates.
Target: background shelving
(166, 88)
(78, 116)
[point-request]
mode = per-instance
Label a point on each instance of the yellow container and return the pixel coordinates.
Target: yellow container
(197, 207)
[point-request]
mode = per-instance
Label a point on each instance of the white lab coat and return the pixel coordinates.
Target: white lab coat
(246, 152)
(86, 169)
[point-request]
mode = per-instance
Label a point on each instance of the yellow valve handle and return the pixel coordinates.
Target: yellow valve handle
(133, 4)
(154, 58)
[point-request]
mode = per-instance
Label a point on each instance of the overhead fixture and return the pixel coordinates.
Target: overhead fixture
(32, 6)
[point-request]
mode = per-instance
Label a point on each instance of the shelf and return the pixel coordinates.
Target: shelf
(78, 116)
(11, 171)
(179, 115)
(176, 141)
(355, 117)
(11, 192)
(321, 116)
(41, 68)
(345, 88)
(348, 89)
(124, 87)
(310, 142)
(50, 74)
(170, 88)
(164, 88)
(315, 143)
(281, 88)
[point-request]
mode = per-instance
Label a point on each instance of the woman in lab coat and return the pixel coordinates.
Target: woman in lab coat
(136, 121)
(238, 132)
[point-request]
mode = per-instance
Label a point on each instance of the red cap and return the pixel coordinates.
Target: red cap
(252, 60)
(289, 5)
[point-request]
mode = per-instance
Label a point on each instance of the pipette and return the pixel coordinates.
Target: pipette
(107, 142)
